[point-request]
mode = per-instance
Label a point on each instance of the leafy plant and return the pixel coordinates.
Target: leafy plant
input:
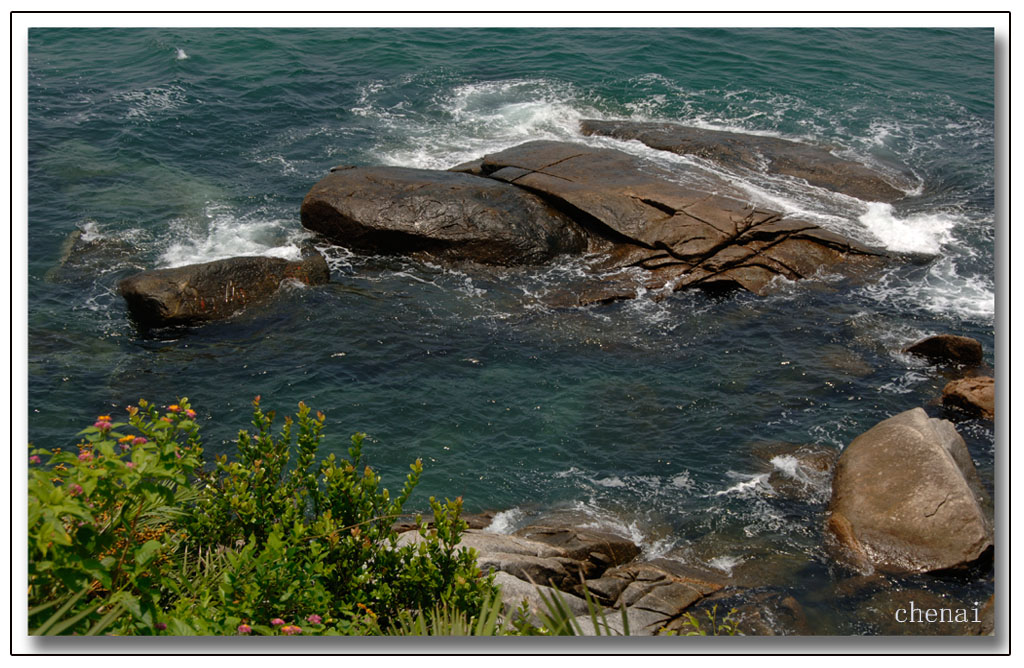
(727, 626)
(102, 520)
(131, 536)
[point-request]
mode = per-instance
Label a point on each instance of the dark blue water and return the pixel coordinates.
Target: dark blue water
(166, 147)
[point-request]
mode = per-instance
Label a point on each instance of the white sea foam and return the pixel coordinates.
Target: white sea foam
(224, 235)
(943, 290)
(474, 119)
(506, 521)
(788, 465)
(725, 563)
(90, 231)
(917, 233)
(748, 483)
(181, 55)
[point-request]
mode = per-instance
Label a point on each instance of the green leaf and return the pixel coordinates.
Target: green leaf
(147, 553)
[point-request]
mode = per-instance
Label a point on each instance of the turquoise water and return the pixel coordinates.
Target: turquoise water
(172, 146)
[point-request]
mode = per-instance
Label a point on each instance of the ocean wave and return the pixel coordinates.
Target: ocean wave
(224, 233)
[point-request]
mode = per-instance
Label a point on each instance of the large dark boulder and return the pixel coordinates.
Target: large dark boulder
(906, 498)
(213, 290)
(444, 214)
(818, 166)
(948, 348)
(702, 234)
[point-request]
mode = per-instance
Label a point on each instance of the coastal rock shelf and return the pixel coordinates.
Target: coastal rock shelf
(647, 229)
(643, 229)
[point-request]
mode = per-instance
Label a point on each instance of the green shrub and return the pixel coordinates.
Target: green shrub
(142, 540)
(102, 521)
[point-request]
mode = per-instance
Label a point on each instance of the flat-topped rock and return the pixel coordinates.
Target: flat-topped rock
(816, 165)
(684, 229)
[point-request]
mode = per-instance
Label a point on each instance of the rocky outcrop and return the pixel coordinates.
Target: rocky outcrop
(948, 348)
(213, 290)
(594, 550)
(655, 594)
(443, 214)
(906, 498)
(703, 234)
(816, 165)
(975, 396)
(583, 563)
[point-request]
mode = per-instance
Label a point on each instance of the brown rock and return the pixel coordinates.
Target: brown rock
(906, 498)
(603, 548)
(702, 234)
(213, 290)
(976, 396)
(948, 348)
(446, 215)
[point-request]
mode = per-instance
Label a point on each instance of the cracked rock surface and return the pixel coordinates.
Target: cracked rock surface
(906, 498)
(701, 233)
(647, 229)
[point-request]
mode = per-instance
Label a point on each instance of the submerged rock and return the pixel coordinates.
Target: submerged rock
(702, 234)
(818, 166)
(84, 255)
(906, 498)
(948, 348)
(447, 215)
(975, 396)
(213, 290)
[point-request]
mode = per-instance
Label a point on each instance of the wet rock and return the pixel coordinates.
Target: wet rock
(906, 498)
(213, 290)
(846, 361)
(472, 520)
(443, 214)
(816, 165)
(948, 348)
(704, 234)
(85, 254)
(975, 396)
